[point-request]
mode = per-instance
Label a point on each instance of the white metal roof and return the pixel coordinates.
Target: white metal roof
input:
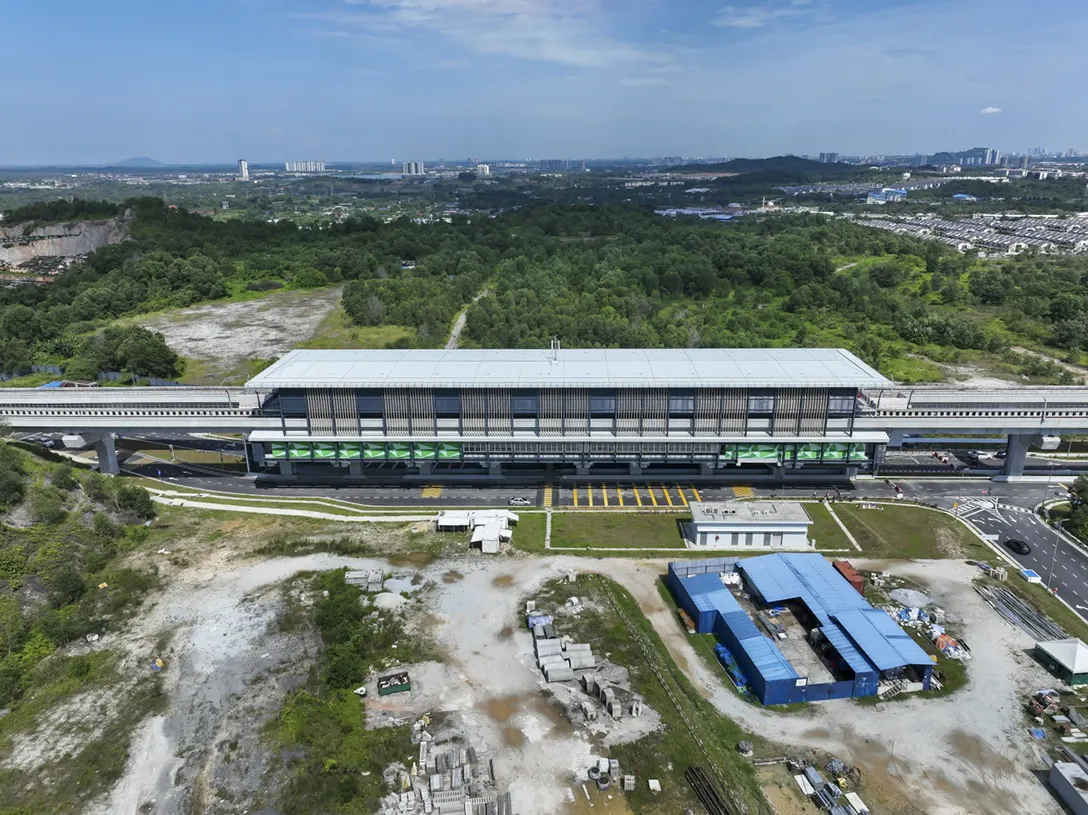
(1071, 653)
(586, 368)
(748, 512)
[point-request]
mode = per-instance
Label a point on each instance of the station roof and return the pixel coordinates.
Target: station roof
(581, 367)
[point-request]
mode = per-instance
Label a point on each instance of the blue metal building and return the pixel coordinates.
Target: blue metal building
(866, 643)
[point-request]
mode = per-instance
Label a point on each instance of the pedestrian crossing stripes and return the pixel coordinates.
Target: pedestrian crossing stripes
(744, 492)
(432, 491)
(628, 496)
(548, 498)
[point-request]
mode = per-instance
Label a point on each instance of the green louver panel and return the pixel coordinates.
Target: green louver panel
(424, 451)
(324, 450)
(399, 450)
(728, 452)
(373, 450)
(857, 452)
(448, 450)
(297, 450)
(758, 452)
(808, 452)
(277, 451)
(351, 452)
(836, 452)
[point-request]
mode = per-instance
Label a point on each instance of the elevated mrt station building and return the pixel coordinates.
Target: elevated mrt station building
(782, 414)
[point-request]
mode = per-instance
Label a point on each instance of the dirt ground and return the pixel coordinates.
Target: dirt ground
(957, 755)
(229, 667)
(221, 338)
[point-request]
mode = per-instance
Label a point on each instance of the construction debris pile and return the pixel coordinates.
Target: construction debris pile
(830, 793)
(557, 658)
(1070, 724)
(370, 581)
(1021, 614)
(448, 779)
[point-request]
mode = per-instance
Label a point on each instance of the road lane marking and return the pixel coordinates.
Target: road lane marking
(653, 497)
(638, 496)
(576, 496)
(665, 492)
(695, 492)
(604, 493)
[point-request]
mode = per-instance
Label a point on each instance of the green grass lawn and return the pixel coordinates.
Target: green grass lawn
(824, 530)
(529, 532)
(907, 532)
(619, 530)
(338, 331)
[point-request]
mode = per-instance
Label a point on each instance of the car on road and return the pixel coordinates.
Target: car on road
(1001, 454)
(47, 442)
(1018, 546)
(520, 502)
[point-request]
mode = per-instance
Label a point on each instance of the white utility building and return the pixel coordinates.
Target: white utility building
(764, 525)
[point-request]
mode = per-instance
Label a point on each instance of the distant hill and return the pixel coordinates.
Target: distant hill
(140, 161)
(789, 164)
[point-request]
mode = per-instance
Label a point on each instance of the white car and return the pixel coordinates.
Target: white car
(520, 502)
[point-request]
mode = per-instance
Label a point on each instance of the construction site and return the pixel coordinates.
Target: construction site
(778, 684)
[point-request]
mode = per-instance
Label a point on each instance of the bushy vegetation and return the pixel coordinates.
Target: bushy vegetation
(591, 274)
(61, 209)
(60, 536)
(341, 763)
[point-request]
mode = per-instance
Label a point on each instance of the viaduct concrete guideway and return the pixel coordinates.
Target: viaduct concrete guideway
(619, 412)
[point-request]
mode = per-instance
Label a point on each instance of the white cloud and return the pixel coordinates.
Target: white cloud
(990, 111)
(567, 32)
(759, 15)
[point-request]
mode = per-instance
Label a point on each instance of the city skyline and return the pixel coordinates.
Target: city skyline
(372, 78)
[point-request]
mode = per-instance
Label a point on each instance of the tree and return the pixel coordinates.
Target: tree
(47, 505)
(466, 176)
(63, 479)
(135, 500)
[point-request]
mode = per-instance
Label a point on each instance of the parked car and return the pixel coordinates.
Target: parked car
(520, 502)
(1018, 546)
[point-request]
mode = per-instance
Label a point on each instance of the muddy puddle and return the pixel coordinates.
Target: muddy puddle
(412, 559)
(512, 737)
(452, 576)
(506, 632)
(503, 581)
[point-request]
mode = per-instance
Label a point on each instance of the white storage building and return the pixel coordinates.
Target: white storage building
(763, 525)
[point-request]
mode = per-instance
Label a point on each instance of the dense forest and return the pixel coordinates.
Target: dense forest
(590, 275)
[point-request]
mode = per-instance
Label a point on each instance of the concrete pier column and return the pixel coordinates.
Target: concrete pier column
(287, 468)
(494, 469)
(634, 469)
(426, 468)
(355, 468)
(895, 438)
(107, 454)
(1015, 455)
(706, 468)
(581, 469)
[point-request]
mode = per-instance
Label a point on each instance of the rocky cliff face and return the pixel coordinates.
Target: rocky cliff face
(19, 247)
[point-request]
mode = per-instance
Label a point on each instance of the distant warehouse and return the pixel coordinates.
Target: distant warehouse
(838, 645)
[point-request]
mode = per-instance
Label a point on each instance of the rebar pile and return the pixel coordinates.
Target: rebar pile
(1021, 614)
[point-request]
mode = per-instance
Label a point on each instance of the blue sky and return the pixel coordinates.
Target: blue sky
(212, 80)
